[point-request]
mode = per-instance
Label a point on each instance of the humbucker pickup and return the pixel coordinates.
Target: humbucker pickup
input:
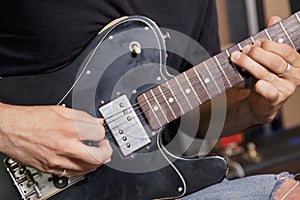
(125, 125)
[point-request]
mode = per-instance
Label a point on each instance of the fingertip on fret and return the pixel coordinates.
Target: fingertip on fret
(235, 56)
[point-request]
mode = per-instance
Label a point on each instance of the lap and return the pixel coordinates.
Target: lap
(248, 188)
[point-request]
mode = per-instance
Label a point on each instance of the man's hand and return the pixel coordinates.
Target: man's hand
(49, 138)
(265, 60)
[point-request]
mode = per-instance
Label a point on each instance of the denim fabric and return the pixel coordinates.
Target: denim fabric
(259, 187)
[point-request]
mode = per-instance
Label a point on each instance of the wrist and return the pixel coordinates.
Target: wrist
(3, 124)
(239, 118)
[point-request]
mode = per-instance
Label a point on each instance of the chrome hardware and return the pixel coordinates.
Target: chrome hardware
(135, 47)
(126, 127)
(167, 36)
(35, 185)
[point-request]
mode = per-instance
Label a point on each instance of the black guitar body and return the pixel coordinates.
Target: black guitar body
(127, 58)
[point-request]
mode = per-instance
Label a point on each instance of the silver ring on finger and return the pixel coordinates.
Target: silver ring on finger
(287, 69)
(63, 173)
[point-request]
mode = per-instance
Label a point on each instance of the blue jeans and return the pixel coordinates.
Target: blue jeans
(259, 187)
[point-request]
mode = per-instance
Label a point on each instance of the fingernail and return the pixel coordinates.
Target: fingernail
(107, 161)
(257, 43)
(246, 49)
(100, 120)
(235, 55)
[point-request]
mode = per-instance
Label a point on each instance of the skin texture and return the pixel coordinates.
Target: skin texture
(49, 137)
(264, 60)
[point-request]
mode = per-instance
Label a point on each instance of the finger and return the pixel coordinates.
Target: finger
(73, 173)
(73, 114)
(69, 172)
(91, 155)
(273, 20)
(254, 68)
(285, 51)
(267, 90)
(85, 126)
(90, 131)
(271, 61)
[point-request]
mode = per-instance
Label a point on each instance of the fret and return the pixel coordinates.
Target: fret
(261, 35)
(240, 47)
(172, 101)
(199, 87)
(279, 34)
(154, 114)
(234, 66)
(268, 35)
(297, 16)
(228, 54)
(167, 101)
(211, 77)
(246, 42)
(197, 74)
(233, 74)
(159, 106)
(287, 35)
(182, 111)
(184, 94)
(220, 66)
(184, 73)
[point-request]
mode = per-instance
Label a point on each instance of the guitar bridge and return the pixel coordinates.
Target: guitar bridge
(35, 185)
(125, 125)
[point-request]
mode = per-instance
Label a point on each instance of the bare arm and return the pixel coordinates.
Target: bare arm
(49, 138)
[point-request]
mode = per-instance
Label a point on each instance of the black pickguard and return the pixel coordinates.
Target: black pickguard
(109, 69)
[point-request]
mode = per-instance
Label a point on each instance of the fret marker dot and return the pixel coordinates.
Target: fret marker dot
(188, 90)
(280, 40)
(207, 80)
(171, 100)
(155, 108)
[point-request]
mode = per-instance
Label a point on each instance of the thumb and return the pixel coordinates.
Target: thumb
(273, 20)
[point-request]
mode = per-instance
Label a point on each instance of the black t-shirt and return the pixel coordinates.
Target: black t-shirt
(38, 36)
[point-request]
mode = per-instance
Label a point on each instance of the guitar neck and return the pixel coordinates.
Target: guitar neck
(190, 89)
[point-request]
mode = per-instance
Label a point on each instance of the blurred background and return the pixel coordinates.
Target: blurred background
(273, 147)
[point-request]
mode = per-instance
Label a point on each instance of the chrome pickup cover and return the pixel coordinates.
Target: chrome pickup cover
(125, 125)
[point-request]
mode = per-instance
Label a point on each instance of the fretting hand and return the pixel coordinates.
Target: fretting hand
(276, 71)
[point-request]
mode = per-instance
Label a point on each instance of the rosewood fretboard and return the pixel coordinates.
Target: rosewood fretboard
(185, 92)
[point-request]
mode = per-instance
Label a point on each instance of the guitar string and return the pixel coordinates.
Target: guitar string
(165, 93)
(171, 88)
(161, 94)
(168, 91)
(136, 107)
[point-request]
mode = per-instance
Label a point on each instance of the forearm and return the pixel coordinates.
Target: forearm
(3, 108)
(237, 115)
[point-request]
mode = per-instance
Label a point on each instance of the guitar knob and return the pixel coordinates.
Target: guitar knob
(60, 182)
(167, 36)
(135, 48)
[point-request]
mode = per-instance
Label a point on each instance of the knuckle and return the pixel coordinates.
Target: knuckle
(288, 51)
(96, 162)
(53, 163)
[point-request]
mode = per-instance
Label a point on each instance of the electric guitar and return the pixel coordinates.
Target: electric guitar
(122, 76)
